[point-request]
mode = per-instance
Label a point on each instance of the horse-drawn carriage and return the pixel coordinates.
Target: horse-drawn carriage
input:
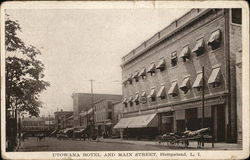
(178, 140)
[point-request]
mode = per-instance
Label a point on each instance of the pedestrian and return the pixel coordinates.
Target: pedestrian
(84, 136)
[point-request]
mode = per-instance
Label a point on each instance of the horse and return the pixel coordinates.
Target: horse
(41, 137)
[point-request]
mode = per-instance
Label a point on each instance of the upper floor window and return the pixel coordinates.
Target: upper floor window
(136, 76)
(152, 95)
(151, 69)
(198, 82)
(125, 102)
(136, 99)
(131, 101)
(174, 59)
(236, 16)
(162, 93)
(185, 53)
(215, 39)
(199, 47)
(173, 91)
(185, 85)
(130, 79)
(143, 98)
(143, 73)
(215, 78)
(161, 65)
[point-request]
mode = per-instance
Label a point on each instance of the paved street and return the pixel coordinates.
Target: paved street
(53, 144)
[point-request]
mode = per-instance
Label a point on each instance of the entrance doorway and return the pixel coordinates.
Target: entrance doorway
(219, 122)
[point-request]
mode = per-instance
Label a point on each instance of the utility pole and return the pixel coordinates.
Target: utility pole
(92, 100)
(203, 101)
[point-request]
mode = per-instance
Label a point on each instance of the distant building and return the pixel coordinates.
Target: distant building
(33, 125)
(60, 118)
(162, 78)
(82, 102)
(104, 114)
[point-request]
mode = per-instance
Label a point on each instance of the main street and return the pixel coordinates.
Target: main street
(53, 144)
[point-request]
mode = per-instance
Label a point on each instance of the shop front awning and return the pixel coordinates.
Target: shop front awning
(198, 81)
(142, 121)
(173, 89)
(215, 76)
(123, 123)
(162, 92)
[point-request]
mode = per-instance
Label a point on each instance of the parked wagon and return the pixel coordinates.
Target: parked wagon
(175, 140)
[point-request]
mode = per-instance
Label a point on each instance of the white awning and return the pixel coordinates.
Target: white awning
(136, 98)
(143, 121)
(198, 81)
(161, 64)
(184, 52)
(173, 89)
(151, 68)
(199, 45)
(215, 76)
(185, 85)
(162, 92)
(214, 38)
(123, 123)
(152, 93)
(143, 72)
(125, 101)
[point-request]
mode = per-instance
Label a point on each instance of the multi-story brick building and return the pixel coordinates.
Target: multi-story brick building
(162, 78)
(82, 102)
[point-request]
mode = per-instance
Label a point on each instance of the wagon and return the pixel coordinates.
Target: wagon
(175, 140)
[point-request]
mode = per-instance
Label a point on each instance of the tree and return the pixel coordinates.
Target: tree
(24, 72)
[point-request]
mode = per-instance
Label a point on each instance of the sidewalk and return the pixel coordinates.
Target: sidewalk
(192, 144)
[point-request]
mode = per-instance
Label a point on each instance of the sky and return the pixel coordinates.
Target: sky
(82, 44)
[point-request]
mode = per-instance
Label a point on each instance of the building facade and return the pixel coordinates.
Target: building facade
(82, 102)
(163, 80)
(104, 115)
(60, 117)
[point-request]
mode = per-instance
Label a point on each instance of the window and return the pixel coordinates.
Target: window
(161, 65)
(199, 47)
(198, 82)
(136, 76)
(215, 39)
(131, 101)
(215, 78)
(136, 99)
(125, 102)
(110, 115)
(173, 91)
(130, 79)
(236, 15)
(151, 69)
(185, 85)
(152, 95)
(185, 53)
(162, 93)
(174, 59)
(143, 98)
(143, 73)
(124, 82)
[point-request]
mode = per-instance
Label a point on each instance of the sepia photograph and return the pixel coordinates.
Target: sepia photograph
(144, 80)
